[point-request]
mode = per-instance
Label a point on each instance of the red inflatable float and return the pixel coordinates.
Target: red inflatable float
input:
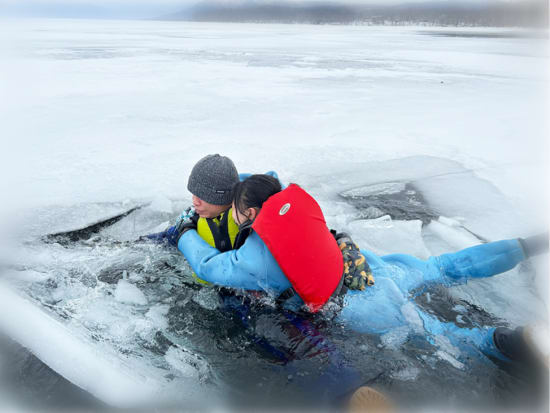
(293, 227)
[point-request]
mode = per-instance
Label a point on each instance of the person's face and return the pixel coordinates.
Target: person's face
(207, 210)
(240, 218)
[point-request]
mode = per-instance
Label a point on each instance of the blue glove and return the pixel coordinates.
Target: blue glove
(186, 221)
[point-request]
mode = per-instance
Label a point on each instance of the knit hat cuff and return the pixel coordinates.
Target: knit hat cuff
(209, 194)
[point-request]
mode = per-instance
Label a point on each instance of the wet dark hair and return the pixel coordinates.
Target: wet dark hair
(254, 191)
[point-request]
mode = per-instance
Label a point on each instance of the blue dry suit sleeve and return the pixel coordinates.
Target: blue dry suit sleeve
(479, 261)
(240, 268)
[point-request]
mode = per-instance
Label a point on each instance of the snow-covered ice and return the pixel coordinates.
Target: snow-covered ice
(104, 111)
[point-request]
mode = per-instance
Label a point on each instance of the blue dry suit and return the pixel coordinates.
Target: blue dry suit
(379, 308)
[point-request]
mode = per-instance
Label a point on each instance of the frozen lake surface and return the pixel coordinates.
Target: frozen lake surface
(414, 140)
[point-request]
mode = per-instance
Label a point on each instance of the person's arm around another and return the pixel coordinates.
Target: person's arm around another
(243, 268)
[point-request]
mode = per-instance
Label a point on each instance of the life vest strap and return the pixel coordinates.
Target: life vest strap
(245, 230)
(220, 233)
(285, 295)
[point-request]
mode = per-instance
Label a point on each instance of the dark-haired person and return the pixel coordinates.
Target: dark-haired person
(291, 255)
(210, 184)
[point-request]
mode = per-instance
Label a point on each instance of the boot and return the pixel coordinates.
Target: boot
(366, 399)
(522, 345)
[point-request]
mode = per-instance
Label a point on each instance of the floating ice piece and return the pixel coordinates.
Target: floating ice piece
(206, 299)
(157, 314)
(28, 276)
(406, 374)
(385, 236)
(441, 238)
(177, 359)
(140, 222)
(445, 345)
(85, 364)
(59, 219)
(155, 320)
(450, 359)
(384, 221)
(413, 318)
(446, 186)
(189, 365)
(372, 213)
(459, 308)
(451, 222)
(128, 293)
(395, 337)
(385, 188)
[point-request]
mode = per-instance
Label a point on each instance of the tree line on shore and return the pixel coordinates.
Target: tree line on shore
(522, 13)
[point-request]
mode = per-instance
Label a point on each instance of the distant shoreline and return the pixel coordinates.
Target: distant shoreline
(430, 13)
(523, 13)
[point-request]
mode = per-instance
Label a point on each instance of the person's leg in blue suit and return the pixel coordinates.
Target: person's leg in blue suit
(480, 261)
(466, 339)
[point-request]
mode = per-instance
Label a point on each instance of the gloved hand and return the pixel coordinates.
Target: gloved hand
(357, 273)
(186, 221)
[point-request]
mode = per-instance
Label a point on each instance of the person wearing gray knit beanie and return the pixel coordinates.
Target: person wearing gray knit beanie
(211, 181)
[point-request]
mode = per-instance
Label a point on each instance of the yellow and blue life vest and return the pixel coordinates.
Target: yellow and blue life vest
(219, 232)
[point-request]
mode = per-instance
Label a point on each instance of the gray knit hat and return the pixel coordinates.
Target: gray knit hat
(212, 179)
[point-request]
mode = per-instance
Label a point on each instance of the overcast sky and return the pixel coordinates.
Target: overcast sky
(148, 8)
(94, 8)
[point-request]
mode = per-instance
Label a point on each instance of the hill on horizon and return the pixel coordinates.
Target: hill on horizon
(523, 13)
